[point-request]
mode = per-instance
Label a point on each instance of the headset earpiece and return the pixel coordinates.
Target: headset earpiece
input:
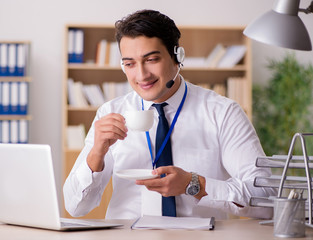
(122, 66)
(180, 54)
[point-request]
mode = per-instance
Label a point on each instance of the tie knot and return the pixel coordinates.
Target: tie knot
(159, 108)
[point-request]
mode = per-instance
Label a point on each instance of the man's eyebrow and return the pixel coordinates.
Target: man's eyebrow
(150, 53)
(144, 56)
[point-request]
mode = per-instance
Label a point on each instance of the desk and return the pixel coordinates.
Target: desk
(243, 229)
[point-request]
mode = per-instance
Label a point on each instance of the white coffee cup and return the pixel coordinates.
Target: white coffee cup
(139, 120)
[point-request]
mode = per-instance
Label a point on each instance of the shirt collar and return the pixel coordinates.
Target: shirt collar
(174, 100)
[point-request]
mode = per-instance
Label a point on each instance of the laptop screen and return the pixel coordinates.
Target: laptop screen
(27, 186)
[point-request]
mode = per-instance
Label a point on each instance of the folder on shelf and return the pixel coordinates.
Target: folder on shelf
(12, 60)
(14, 131)
(0, 97)
(14, 98)
(21, 60)
(23, 131)
(23, 98)
(70, 45)
(5, 98)
(5, 131)
(3, 59)
(79, 46)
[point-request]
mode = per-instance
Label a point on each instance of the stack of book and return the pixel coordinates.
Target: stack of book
(236, 89)
(219, 57)
(84, 95)
(108, 54)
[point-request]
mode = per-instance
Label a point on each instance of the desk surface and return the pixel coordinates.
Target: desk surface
(229, 229)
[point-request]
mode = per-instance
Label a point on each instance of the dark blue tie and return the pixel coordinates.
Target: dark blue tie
(168, 203)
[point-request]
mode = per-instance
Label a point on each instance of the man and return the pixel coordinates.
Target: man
(212, 145)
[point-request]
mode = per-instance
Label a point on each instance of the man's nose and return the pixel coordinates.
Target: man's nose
(142, 72)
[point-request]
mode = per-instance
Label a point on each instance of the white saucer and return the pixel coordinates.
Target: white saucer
(136, 174)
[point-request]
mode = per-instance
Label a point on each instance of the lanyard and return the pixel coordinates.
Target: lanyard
(169, 131)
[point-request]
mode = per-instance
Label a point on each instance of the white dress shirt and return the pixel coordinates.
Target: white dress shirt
(212, 137)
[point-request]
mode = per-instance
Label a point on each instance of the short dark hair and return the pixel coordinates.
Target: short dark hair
(149, 23)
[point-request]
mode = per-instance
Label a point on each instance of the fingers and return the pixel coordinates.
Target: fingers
(108, 130)
(164, 170)
(166, 186)
(111, 126)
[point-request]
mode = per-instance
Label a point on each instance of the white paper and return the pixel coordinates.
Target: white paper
(160, 222)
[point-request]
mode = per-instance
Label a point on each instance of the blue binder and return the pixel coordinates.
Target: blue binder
(12, 60)
(21, 60)
(23, 131)
(0, 97)
(3, 59)
(14, 98)
(5, 98)
(23, 98)
(76, 46)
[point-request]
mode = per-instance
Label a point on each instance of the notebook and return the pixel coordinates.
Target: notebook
(28, 190)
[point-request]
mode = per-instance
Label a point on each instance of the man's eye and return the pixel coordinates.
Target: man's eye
(128, 64)
(152, 59)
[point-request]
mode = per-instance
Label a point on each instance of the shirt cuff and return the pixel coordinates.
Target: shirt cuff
(217, 192)
(85, 176)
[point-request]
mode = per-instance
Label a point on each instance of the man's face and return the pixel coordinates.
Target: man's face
(148, 67)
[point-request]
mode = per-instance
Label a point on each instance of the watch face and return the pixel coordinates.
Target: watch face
(193, 190)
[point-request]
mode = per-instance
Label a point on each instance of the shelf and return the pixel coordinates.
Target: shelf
(92, 66)
(15, 79)
(82, 109)
(72, 151)
(15, 117)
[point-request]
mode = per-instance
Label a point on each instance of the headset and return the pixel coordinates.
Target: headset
(179, 55)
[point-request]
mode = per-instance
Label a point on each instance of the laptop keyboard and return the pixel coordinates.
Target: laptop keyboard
(70, 224)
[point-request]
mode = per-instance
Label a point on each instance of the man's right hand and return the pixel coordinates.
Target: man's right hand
(108, 130)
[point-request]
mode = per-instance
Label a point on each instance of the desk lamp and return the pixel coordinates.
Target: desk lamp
(282, 26)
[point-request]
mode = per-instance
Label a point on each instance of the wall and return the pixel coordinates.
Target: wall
(42, 22)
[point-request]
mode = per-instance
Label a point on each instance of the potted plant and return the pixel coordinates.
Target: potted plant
(284, 106)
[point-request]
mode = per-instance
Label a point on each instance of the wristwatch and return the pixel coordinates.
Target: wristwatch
(194, 186)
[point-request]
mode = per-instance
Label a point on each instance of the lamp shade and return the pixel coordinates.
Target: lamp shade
(283, 30)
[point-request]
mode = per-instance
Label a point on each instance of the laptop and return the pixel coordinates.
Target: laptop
(28, 191)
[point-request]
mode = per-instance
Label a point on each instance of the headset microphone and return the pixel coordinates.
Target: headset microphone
(180, 56)
(170, 83)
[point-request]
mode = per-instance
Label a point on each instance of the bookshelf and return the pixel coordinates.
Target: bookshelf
(197, 41)
(14, 91)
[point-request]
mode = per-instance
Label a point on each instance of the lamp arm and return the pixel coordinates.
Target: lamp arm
(307, 10)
